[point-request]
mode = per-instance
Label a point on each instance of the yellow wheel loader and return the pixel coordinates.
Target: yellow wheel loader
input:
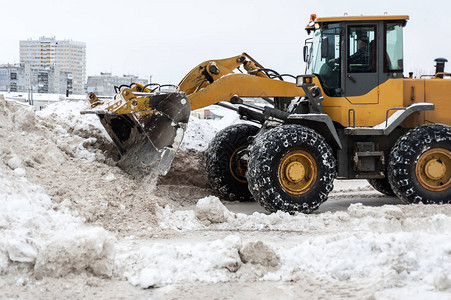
(353, 115)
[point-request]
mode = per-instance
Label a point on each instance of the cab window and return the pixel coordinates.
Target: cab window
(362, 49)
(393, 60)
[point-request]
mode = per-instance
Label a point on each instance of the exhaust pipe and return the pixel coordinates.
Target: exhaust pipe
(440, 66)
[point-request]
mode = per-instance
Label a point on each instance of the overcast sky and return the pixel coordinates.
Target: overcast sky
(166, 39)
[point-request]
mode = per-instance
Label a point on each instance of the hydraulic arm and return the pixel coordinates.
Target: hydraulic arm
(214, 81)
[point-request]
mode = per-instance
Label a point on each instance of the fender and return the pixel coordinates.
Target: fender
(322, 123)
(386, 127)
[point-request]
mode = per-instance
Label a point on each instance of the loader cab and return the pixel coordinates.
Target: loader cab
(354, 56)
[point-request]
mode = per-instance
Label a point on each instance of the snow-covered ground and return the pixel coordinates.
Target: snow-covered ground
(73, 225)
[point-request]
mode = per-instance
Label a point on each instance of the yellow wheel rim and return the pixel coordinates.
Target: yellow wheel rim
(433, 169)
(237, 167)
(297, 172)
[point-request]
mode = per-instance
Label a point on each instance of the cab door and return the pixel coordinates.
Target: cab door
(361, 74)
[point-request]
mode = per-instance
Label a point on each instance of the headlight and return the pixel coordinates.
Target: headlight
(304, 80)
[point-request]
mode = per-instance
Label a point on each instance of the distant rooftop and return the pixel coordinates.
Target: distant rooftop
(51, 39)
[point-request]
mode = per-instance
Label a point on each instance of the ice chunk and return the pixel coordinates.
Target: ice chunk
(21, 250)
(211, 209)
(259, 253)
(86, 249)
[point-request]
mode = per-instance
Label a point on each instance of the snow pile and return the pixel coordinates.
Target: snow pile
(359, 259)
(390, 245)
(388, 218)
(384, 260)
(70, 156)
(393, 257)
(157, 264)
(67, 114)
(65, 120)
(53, 243)
(197, 135)
(37, 232)
(200, 132)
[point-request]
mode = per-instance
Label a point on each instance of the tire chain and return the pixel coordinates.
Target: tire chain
(406, 152)
(216, 173)
(268, 145)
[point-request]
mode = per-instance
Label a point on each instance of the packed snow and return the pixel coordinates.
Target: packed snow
(69, 212)
(200, 132)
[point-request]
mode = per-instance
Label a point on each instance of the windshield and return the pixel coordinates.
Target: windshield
(328, 68)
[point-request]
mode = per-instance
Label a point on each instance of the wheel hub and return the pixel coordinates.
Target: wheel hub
(433, 169)
(237, 165)
(297, 172)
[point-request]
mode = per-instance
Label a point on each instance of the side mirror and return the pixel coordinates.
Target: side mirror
(325, 47)
(305, 53)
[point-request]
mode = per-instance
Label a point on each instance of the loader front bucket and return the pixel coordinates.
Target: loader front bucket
(147, 128)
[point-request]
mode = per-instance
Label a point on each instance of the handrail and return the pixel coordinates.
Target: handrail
(436, 75)
(441, 74)
(388, 110)
(353, 117)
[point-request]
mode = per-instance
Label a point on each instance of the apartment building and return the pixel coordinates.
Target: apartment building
(25, 78)
(12, 78)
(103, 84)
(65, 55)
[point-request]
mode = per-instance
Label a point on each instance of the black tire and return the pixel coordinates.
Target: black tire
(419, 167)
(275, 153)
(225, 172)
(382, 185)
